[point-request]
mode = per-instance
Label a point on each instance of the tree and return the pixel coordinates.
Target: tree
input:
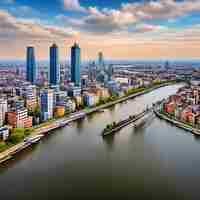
(30, 112)
(36, 112)
(17, 135)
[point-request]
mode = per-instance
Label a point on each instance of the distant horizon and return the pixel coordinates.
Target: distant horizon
(110, 59)
(115, 61)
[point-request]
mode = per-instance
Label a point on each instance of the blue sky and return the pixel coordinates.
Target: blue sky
(121, 28)
(48, 10)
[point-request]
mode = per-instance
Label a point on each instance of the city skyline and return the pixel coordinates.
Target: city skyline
(164, 29)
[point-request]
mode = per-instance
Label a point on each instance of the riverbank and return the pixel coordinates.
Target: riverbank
(177, 123)
(125, 98)
(46, 129)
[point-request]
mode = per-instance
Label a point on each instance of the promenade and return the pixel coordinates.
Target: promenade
(179, 124)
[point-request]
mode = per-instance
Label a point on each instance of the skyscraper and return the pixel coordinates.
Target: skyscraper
(75, 64)
(30, 65)
(54, 72)
(101, 60)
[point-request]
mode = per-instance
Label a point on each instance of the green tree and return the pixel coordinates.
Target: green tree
(36, 112)
(16, 137)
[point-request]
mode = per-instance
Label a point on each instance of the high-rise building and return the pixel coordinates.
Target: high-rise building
(92, 72)
(30, 65)
(75, 64)
(3, 110)
(46, 104)
(167, 65)
(100, 60)
(30, 94)
(54, 72)
(110, 71)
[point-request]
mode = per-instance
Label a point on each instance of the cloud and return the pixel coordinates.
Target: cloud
(112, 20)
(22, 29)
(73, 5)
(105, 21)
(142, 28)
(163, 9)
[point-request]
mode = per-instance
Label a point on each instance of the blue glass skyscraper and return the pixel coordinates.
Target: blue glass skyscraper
(54, 72)
(75, 64)
(30, 65)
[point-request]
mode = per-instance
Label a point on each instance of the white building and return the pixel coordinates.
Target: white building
(90, 99)
(4, 133)
(46, 104)
(74, 91)
(3, 110)
(70, 105)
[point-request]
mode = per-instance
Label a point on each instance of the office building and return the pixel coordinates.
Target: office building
(90, 99)
(54, 72)
(46, 104)
(75, 64)
(100, 60)
(30, 65)
(74, 91)
(30, 94)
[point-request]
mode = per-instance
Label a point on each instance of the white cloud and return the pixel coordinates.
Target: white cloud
(73, 5)
(111, 20)
(163, 9)
(13, 28)
(97, 21)
(142, 28)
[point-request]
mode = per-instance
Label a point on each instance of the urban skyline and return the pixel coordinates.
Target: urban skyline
(122, 30)
(99, 98)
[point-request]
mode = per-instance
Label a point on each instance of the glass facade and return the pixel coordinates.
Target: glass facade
(54, 72)
(30, 65)
(75, 64)
(46, 104)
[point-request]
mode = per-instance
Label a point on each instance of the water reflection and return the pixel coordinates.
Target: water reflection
(92, 116)
(78, 161)
(20, 156)
(79, 124)
(109, 141)
(197, 138)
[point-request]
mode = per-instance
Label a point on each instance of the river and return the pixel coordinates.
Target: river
(155, 161)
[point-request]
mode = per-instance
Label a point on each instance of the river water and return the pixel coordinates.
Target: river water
(155, 161)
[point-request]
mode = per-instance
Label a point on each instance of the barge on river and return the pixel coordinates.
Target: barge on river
(114, 127)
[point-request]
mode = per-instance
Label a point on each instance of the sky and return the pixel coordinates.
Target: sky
(121, 29)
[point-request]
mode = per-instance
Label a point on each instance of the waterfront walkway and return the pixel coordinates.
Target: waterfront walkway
(179, 124)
